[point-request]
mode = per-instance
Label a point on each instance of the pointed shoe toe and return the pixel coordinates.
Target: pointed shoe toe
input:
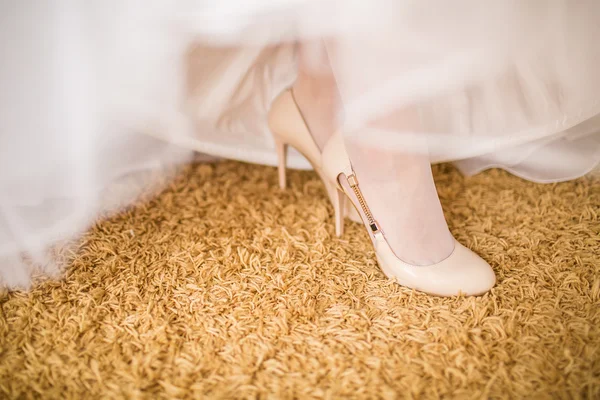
(463, 272)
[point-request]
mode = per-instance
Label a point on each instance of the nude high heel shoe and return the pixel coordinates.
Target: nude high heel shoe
(461, 272)
(290, 129)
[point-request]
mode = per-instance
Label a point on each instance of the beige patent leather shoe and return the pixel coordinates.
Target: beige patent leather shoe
(461, 272)
(290, 129)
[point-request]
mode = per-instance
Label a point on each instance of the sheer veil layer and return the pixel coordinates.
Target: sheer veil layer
(96, 91)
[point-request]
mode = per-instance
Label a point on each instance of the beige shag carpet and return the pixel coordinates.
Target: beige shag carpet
(223, 286)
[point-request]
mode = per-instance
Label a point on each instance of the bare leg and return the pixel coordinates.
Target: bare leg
(398, 187)
(316, 92)
(401, 193)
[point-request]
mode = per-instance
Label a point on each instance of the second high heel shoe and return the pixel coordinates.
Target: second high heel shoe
(290, 129)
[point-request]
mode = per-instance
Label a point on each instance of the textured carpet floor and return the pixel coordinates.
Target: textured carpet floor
(223, 286)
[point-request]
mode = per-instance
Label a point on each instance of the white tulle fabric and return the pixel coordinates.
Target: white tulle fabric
(94, 91)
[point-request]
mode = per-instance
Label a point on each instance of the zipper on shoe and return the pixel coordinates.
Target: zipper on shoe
(353, 182)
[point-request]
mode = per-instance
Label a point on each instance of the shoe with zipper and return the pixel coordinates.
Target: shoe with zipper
(462, 271)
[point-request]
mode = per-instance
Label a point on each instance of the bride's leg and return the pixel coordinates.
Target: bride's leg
(316, 92)
(401, 193)
(398, 187)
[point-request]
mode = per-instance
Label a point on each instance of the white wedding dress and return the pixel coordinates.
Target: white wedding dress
(93, 91)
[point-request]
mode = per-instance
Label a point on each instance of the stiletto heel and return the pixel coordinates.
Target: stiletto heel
(281, 148)
(339, 205)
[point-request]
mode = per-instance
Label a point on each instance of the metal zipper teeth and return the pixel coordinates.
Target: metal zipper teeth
(363, 204)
